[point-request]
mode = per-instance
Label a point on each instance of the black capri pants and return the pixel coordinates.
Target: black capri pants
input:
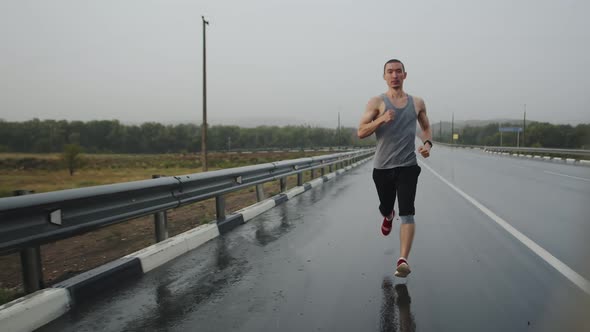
(400, 181)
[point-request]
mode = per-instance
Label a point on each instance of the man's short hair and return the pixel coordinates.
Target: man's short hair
(394, 61)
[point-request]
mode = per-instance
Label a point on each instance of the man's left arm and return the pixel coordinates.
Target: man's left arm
(424, 149)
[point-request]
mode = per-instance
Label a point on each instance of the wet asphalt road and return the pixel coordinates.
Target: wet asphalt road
(319, 262)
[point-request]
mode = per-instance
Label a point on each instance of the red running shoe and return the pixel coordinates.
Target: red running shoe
(386, 225)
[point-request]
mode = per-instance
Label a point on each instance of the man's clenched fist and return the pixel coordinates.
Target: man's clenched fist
(388, 116)
(424, 150)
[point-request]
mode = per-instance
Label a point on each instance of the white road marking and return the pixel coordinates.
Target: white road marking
(484, 156)
(569, 273)
(567, 176)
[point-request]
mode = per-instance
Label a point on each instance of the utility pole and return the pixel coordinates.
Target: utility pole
(339, 129)
(440, 130)
(204, 129)
(453, 129)
(524, 128)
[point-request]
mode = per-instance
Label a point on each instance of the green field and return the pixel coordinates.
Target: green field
(46, 172)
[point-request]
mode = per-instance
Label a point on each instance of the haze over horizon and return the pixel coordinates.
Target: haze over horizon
(252, 123)
(293, 62)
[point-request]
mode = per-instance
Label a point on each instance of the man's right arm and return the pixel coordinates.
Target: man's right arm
(370, 120)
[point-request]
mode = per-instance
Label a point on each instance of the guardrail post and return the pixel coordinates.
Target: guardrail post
(30, 260)
(323, 171)
(259, 192)
(300, 179)
(312, 173)
(160, 222)
(331, 167)
(220, 207)
(283, 184)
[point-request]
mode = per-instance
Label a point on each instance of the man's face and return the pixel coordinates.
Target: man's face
(394, 75)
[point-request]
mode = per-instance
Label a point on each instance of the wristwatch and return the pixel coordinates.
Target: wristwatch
(429, 142)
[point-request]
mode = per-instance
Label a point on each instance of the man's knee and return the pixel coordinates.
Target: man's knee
(409, 219)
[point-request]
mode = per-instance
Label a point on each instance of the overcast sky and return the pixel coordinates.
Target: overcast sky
(291, 62)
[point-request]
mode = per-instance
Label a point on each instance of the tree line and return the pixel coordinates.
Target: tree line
(537, 134)
(111, 136)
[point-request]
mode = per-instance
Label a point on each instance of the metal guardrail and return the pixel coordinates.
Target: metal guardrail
(334, 149)
(28, 221)
(572, 152)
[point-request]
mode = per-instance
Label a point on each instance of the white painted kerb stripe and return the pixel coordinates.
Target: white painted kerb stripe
(202, 234)
(572, 275)
(34, 310)
(316, 182)
(160, 253)
(330, 176)
(295, 191)
(256, 209)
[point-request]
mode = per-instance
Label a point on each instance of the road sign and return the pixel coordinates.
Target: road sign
(455, 136)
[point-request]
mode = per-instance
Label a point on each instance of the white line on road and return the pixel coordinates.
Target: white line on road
(567, 176)
(572, 275)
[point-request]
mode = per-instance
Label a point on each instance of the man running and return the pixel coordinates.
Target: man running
(392, 117)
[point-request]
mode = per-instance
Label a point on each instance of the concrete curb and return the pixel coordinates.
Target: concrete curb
(165, 251)
(104, 277)
(316, 182)
(34, 310)
(295, 191)
(37, 309)
(256, 209)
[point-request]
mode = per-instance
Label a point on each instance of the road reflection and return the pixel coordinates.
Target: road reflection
(395, 310)
(272, 226)
(176, 297)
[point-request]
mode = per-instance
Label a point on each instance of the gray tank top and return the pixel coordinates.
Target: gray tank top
(395, 140)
